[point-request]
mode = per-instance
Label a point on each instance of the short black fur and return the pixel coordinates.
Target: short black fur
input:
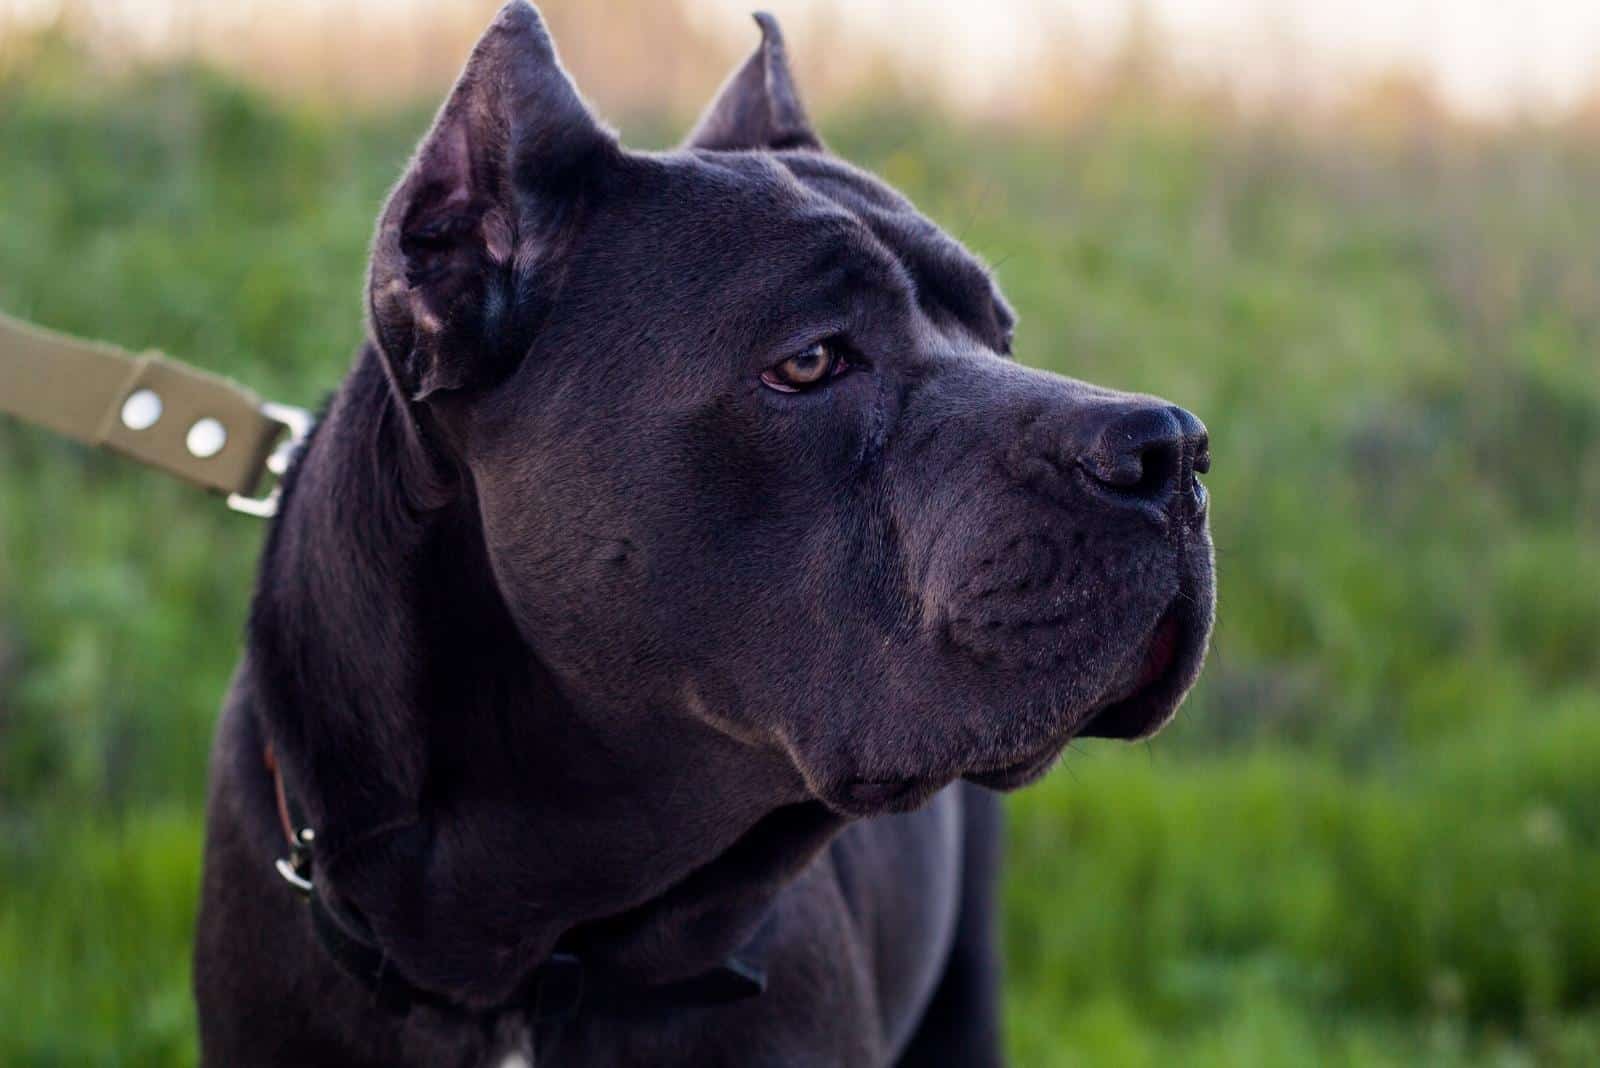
(574, 632)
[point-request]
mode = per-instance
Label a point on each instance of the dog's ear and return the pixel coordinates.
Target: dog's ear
(469, 248)
(759, 106)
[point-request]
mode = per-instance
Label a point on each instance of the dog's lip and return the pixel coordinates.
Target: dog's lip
(1171, 652)
(1173, 648)
(1162, 651)
(1143, 704)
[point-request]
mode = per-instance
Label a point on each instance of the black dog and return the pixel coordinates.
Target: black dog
(681, 540)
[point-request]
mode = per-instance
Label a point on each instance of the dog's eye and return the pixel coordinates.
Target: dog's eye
(810, 368)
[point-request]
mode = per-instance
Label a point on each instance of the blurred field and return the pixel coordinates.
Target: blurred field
(1372, 838)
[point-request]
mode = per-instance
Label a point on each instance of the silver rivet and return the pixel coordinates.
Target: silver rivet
(206, 438)
(141, 410)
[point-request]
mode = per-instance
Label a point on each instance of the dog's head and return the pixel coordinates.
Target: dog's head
(749, 449)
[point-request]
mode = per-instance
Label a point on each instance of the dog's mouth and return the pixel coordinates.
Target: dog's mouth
(1140, 704)
(1171, 662)
(1152, 694)
(1142, 707)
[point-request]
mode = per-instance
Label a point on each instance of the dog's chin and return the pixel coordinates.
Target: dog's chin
(1167, 668)
(1168, 665)
(1141, 702)
(1022, 773)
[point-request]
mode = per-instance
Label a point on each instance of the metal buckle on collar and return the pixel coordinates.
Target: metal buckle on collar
(297, 421)
(296, 867)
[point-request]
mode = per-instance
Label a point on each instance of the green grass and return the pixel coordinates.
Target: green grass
(1374, 835)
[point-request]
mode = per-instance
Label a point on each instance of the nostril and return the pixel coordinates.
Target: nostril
(1139, 454)
(1142, 471)
(1121, 471)
(1160, 464)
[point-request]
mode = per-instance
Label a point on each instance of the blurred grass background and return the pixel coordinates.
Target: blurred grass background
(1373, 837)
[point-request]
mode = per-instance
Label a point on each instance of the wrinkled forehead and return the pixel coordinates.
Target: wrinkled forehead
(818, 213)
(951, 283)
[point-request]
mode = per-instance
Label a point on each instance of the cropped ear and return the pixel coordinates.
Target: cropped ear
(759, 106)
(469, 250)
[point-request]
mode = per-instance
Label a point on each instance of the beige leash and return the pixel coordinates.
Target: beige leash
(200, 427)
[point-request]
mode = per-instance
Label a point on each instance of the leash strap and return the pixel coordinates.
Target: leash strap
(200, 427)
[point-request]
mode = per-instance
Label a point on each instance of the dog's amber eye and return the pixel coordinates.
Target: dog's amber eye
(812, 367)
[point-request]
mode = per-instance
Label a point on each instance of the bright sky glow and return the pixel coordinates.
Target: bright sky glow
(1492, 57)
(1485, 56)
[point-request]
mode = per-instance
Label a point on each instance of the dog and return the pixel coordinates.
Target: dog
(656, 609)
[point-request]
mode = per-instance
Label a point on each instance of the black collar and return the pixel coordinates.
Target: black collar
(552, 992)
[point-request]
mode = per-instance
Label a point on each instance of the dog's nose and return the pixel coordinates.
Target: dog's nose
(1150, 454)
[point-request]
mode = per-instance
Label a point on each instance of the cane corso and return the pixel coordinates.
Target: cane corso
(657, 606)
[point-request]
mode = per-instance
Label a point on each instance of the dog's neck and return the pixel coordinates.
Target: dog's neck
(459, 799)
